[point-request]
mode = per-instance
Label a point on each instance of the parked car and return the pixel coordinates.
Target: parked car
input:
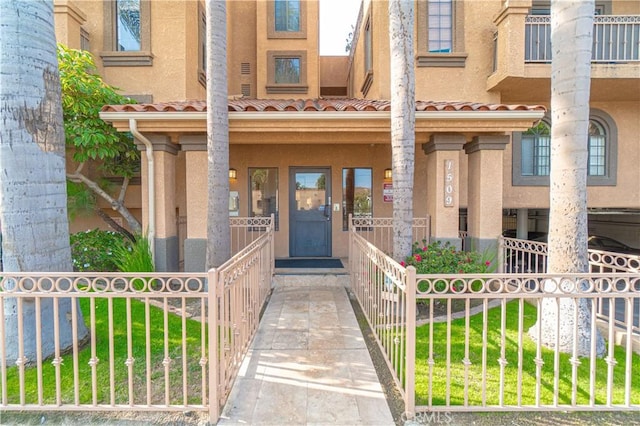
(598, 242)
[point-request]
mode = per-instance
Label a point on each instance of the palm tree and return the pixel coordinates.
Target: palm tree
(218, 227)
(403, 110)
(571, 41)
(33, 212)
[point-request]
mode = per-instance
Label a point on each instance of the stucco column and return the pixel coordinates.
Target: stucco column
(443, 186)
(484, 190)
(522, 224)
(195, 245)
(166, 232)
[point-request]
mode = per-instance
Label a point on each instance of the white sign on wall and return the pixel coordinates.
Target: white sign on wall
(450, 191)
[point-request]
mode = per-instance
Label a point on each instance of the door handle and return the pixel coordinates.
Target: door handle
(327, 211)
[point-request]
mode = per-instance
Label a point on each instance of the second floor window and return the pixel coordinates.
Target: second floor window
(287, 70)
(287, 15)
(440, 26)
(128, 25)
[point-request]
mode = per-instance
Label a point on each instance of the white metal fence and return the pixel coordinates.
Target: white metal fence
(476, 349)
(154, 341)
(379, 231)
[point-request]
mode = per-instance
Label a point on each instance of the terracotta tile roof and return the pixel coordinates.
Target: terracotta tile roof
(261, 105)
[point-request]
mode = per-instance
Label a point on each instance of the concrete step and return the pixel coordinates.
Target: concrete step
(311, 280)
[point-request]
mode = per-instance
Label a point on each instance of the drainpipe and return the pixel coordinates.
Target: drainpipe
(133, 126)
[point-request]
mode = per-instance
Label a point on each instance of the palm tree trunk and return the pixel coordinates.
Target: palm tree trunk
(571, 41)
(218, 227)
(403, 110)
(33, 212)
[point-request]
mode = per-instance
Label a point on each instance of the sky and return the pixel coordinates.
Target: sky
(336, 19)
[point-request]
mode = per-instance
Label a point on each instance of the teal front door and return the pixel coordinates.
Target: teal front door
(309, 212)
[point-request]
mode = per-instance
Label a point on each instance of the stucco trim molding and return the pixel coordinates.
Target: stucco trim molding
(487, 143)
(448, 60)
(193, 142)
(127, 59)
(441, 142)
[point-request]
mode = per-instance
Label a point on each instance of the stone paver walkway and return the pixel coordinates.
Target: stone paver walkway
(308, 363)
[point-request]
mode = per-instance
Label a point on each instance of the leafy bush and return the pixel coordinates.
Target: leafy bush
(94, 250)
(437, 258)
(135, 257)
(445, 259)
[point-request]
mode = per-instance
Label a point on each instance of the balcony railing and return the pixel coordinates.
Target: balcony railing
(616, 38)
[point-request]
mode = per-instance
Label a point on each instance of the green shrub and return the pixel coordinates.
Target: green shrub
(94, 250)
(135, 257)
(437, 258)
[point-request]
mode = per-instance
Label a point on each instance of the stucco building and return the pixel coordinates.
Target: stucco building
(309, 135)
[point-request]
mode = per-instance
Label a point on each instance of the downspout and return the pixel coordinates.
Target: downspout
(133, 126)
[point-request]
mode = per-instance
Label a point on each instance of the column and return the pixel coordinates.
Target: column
(164, 205)
(443, 186)
(195, 245)
(522, 224)
(484, 190)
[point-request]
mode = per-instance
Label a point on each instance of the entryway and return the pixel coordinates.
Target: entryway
(309, 212)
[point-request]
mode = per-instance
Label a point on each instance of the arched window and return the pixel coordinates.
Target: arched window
(532, 152)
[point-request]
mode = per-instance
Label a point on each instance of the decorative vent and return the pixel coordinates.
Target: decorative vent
(246, 90)
(245, 68)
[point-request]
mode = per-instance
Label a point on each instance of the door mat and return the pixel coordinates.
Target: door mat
(308, 263)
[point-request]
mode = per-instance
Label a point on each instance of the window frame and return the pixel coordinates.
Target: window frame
(368, 57)
(606, 122)
(273, 87)
(457, 57)
(111, 56)
(202, 45)
(250, 170)
(345, 216)
(271, 22)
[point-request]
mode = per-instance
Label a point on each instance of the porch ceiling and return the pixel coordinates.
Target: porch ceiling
(322, 120)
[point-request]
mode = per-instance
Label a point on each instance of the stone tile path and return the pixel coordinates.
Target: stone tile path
(308, 364)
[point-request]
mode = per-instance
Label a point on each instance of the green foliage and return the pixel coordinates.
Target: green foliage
(81, 201)
(445, 259)
(84, 93)
(135, 257)
(94, 250)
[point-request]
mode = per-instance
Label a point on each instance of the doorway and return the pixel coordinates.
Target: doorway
(310, 212)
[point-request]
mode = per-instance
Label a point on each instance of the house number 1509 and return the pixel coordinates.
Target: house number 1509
(449, 180)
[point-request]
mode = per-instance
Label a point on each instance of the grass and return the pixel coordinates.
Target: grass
(492, 374)
(160, 378)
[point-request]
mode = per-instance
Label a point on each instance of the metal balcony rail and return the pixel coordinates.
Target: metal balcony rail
(616, 39)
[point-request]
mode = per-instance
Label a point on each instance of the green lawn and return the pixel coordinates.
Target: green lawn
(156, 369)
(492, 374)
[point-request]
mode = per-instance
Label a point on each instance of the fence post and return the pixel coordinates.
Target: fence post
(410, 369)
(350, 258)
(500, 255)
(212, 301)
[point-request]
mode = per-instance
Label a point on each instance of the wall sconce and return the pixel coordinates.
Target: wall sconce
(388, 174)
(233, 174)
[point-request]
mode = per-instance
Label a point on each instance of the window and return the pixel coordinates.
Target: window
(368, 59)
(287, 15)
(127, 37)
(287, 19)
(440, 25)
(263, 192)
(536, 146)
(287, 72)
(532, 153)
(440, 41)
(356, 194)
(202, 45)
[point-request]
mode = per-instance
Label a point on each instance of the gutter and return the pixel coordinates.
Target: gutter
(133, 127)
(325, 115)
